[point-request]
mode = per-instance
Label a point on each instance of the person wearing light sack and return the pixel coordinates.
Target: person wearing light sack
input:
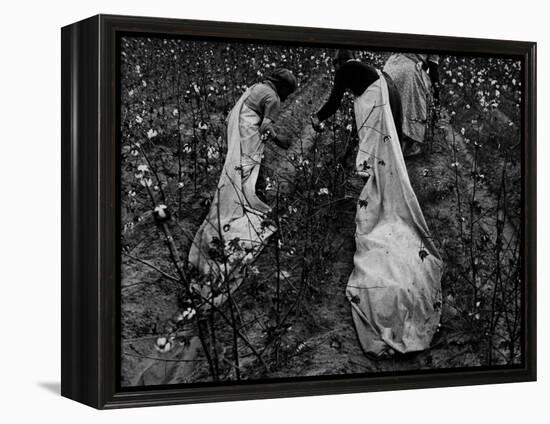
(236, 219)
(395, 286)
(416, 77)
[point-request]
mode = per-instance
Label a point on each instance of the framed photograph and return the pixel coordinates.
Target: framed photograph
(253, 211)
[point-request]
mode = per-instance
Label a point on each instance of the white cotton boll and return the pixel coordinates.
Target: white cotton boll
(152, 133)
(284, 275)
(139, 119)
(163, 345)
(146, 182)
(189, 313)
(212, 152)
(161, 211)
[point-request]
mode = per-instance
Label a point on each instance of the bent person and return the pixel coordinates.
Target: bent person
(395, 286)
(415, 75)
(234, 231)
(356, 76)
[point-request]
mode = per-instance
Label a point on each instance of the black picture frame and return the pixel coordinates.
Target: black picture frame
(90, 245)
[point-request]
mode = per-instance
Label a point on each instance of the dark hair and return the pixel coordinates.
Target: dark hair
(342, 55)
(283, 77)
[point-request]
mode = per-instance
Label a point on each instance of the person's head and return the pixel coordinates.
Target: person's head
(342, 56)
(284, 81)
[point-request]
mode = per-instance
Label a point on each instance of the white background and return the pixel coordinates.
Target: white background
(30, 215)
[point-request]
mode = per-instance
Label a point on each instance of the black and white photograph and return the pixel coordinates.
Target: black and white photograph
(294, 211)
(278, 212)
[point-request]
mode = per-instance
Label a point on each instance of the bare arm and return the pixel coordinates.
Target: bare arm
(333, 103)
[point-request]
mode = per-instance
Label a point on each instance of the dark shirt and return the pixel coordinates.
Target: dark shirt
(357, 76)
(352, 75)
